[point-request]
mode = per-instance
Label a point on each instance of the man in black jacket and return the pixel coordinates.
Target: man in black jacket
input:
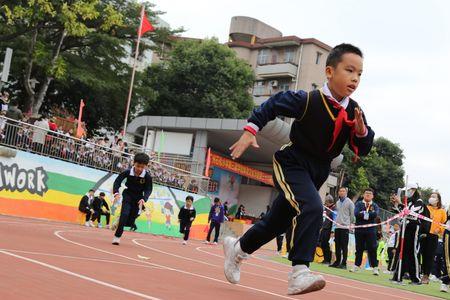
(86, 206)
(101, 208)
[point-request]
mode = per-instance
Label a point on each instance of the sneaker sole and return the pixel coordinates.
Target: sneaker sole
(316, 286)
(117, 244)
(225, 253)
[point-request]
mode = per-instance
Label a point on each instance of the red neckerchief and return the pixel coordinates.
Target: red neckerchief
(342, 118)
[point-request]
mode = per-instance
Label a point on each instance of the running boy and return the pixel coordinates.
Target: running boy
(139, 188)
(325, 120)
(186, 216)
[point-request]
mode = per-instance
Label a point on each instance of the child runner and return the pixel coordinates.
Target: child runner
(186, 216)
(138, 188)
(324, 121)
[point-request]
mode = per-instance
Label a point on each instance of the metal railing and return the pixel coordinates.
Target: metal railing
(31, 138)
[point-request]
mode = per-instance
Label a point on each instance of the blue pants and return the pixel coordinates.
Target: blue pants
(128, 214)
(298, 178)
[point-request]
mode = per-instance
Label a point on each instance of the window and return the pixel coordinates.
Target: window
(263, 56)
(289, 55)
(259, 88)
(284, 87)
(318, 57)
(314, 86)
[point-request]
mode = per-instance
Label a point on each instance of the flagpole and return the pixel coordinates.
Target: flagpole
(130, 92)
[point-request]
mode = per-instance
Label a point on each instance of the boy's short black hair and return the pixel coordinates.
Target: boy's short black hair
(102, 194)
(92, 190)
(335, 56)
(190, 198)
(141, 158)
(216, 200)
(369, 190)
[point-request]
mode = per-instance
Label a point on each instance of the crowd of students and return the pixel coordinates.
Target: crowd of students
(423, 244)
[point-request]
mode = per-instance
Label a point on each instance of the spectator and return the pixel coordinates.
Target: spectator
(446, 276)
(391, 248)
(345, 216)
(14, 112)
(39, 133)
(430, 239)
(366, 212)
(215, 218)
(86, 207)
(240, 212)
(225, 208)
(325, 231)
(101, 208)
(410, 261)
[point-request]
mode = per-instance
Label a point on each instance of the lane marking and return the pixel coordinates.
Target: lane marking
(99, 282)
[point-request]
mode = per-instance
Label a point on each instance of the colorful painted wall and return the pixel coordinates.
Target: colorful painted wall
(36, 186)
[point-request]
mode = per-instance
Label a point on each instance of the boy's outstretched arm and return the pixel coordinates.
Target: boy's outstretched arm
(118, 182)
(288, 104)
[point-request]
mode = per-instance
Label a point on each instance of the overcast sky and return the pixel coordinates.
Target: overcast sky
(404, 88)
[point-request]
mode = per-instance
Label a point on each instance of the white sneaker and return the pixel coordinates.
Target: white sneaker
(355, 269)
(91, 224)
(87, 224)
(206, 242)
(376, 271)
(387, 272)
(233, 259)
(116, 241)
(286, 255)
(107, 226)
(434, 278)
(444, 288)
(184, 243)
(302, 281)
(99, 225)
(215, 243)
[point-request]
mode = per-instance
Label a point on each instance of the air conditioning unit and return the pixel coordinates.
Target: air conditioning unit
(273, 83)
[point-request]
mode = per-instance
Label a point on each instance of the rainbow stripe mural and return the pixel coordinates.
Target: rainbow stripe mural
(36, 186)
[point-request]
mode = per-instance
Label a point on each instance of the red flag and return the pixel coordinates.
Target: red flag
(208, 162)
(80, 114)
(145, 24)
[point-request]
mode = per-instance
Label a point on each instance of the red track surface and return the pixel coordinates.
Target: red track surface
(50, 260)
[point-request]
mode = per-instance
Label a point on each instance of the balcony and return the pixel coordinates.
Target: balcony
(276, 70)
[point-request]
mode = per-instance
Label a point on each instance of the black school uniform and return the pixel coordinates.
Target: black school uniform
(322, 127)
(137, 188)
(185, 215)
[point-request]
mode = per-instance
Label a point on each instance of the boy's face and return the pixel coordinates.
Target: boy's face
(188, 203)
(139, 168)
(368, 196)
(396, 227)
(344, 78)
(342, 193)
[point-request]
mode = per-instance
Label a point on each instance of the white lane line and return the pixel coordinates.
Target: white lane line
(328, 275)
(221, 267)
(58, 234)
(99, 282)
(79, 258)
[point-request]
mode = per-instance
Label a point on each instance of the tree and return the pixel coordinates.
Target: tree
(200, 79)
(75, 50)
(359, 182)
(383, 168)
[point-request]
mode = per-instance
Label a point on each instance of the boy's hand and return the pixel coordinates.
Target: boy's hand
(360, 127)
(141, 203)
(247, 139)
(116, 197)
(192, 219)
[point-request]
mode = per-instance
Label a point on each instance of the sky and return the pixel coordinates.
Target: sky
(406, 45)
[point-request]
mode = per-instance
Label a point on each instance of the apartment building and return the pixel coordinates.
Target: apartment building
(280, 62)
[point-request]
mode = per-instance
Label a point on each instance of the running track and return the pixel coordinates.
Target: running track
(50, 260)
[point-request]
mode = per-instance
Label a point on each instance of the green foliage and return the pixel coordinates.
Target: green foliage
(93, 60)
(201, 79)
(383, 169)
